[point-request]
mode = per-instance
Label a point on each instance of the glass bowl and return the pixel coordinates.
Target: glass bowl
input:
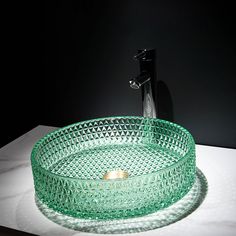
(70, 167)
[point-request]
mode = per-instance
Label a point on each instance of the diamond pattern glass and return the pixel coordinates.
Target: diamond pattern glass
(69, 164)
(175, 212)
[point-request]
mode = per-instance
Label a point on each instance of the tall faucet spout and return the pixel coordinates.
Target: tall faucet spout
(140, 80)
(147, 81)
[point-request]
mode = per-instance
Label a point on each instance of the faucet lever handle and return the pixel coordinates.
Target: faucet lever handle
(140, 55)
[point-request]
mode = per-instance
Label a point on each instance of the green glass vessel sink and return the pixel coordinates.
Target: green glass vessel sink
(115, 167)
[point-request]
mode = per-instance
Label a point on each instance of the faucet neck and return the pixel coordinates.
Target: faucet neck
(147, 81)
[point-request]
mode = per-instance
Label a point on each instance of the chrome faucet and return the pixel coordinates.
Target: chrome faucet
(147, 81)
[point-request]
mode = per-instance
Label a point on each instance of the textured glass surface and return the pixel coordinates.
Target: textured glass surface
(69, 164)
(175, 212)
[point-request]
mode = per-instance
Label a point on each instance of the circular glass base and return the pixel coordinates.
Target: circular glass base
(163, 217)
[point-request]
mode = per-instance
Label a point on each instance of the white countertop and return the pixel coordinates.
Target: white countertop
(215, 216)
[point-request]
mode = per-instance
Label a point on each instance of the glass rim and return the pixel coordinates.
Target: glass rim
(97, 181)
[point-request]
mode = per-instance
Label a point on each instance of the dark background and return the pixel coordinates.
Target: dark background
(66, 63)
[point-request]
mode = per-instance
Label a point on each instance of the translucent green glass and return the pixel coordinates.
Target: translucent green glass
(69, 164)
(175, 212)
